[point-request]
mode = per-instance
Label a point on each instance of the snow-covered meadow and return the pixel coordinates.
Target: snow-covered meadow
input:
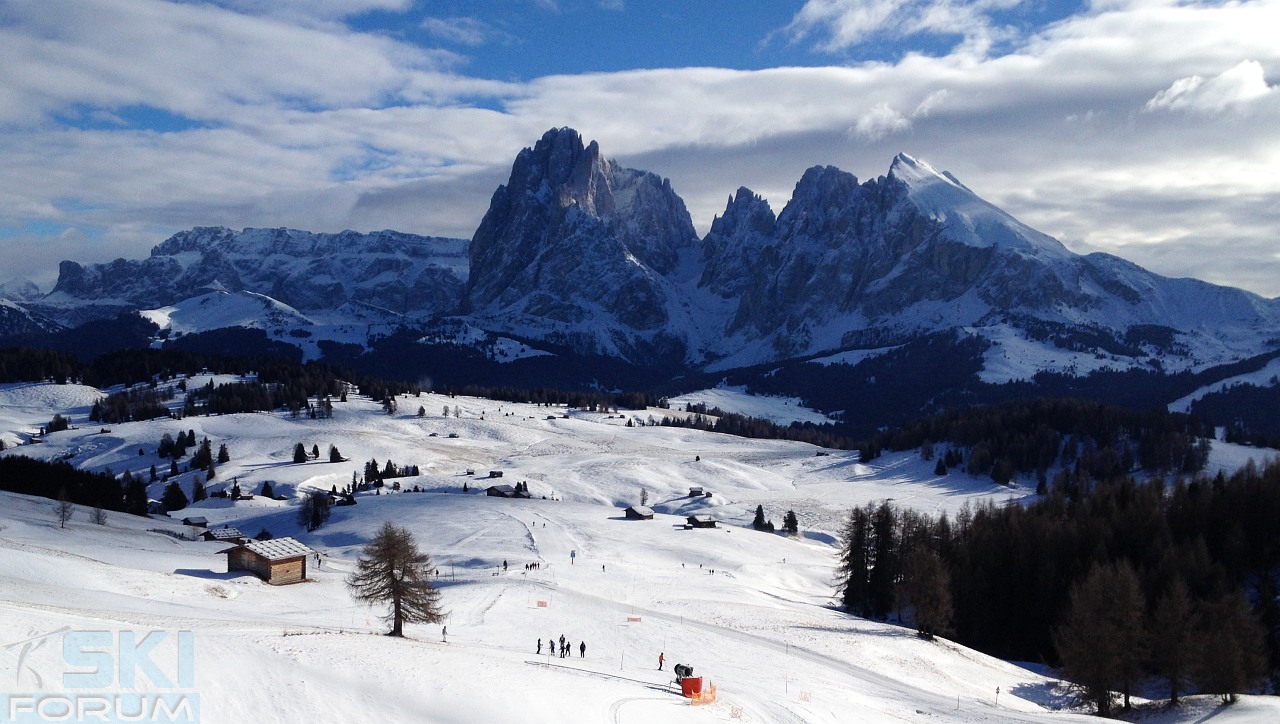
(750, 611)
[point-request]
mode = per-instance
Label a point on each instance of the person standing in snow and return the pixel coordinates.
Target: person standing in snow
(539, 645)
(444, 634)
(660, 660)
(582, 650)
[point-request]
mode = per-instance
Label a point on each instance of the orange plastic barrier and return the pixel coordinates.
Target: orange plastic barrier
(691, 686)
(706, 696)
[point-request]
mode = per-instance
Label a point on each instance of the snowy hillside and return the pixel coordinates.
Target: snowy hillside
(749, 611)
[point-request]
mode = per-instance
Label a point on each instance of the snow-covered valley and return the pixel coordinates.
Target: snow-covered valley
(752, 612)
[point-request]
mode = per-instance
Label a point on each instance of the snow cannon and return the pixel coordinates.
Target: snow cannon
(683, 671)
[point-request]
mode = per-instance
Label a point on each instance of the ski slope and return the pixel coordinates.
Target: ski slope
(750, 611)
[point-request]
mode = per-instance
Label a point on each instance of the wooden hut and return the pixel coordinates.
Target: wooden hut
(701, 521)
(695, 492)
(276, 561)
(639, 512)
(225, 535)
(197, 521)
(500, 491)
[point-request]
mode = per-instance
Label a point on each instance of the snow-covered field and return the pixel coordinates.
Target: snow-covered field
(776, 409)
(749, 611)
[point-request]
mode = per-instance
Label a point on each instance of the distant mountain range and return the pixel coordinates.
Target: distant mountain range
(581, 257)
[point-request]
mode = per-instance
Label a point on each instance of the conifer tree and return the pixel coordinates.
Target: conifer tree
(391, 570)
(855, 562)
(299, 453)
(1172, 638)
(1101, 641)
(926, 587)
(173, 497)
(1230, 643)
(314, 510)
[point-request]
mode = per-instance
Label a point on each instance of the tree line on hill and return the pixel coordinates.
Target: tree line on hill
(1088, 439)
(61, 480)
(1030, 436)
(1131, 580)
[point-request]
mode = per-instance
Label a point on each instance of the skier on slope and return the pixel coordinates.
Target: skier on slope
(660, 660)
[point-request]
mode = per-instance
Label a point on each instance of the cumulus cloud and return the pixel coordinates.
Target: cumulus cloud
(1234, 88)
(878, 122)
(318, 126)
(840, 24)
(196, 61)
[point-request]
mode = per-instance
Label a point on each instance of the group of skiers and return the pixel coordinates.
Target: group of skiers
(565, 647)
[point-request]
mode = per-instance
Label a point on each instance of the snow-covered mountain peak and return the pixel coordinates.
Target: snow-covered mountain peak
(218, 310)
(916, 173)
(968, 218)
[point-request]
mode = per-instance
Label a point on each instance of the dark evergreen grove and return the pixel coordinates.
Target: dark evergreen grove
(1088, 439)
(20, 474)
(1182, 578)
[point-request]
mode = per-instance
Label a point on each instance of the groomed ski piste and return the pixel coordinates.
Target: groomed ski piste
(753, 613)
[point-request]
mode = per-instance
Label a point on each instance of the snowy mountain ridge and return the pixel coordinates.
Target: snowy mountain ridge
(579, 252)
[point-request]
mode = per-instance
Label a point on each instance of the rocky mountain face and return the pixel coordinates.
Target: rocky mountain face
(578, 251)
(849, 264)
(575, 248)
(406, 275)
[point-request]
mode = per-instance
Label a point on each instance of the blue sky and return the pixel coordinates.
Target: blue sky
(1144, 128)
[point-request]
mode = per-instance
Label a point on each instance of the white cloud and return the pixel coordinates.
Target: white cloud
(1234, 88)
(841, 24)
(315, 8)
(200, 62)
(313, 125)
(468, 31)
(878, 122)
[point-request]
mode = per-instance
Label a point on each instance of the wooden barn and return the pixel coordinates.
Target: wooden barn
(701, 521)
(225, 535)
(277, 561)
(196, 521)
(695, 492)
(500, 491)
(639, 512)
